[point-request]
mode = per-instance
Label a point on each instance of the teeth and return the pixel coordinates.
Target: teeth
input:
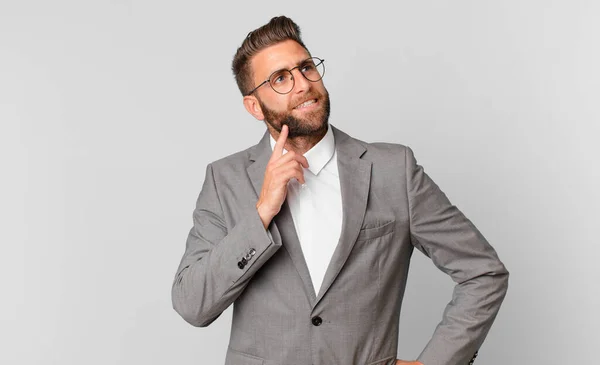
(306, 103)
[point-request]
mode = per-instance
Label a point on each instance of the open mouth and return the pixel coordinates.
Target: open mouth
(307, 104)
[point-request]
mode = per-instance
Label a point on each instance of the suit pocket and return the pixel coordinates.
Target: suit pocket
(239, 358)
(387, 361)
(374, 232)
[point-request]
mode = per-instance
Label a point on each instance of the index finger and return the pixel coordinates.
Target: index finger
(278, 149)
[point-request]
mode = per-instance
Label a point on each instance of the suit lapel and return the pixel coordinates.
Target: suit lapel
(355, 177)
(282, 228)
(293, 247)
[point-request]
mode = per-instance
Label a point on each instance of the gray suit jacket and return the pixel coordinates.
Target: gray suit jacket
(390, 206)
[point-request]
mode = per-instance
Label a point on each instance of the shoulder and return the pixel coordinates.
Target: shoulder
(233, 163)
(375, 150)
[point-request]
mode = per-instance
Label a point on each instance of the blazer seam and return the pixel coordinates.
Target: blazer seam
(413, 238)
(212, 177)
(379, 336)
(406, 191)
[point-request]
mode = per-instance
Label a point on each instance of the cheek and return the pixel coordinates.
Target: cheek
(321, 88)
(279, 104)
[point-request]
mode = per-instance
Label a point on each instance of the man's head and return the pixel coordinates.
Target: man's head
(276, 46)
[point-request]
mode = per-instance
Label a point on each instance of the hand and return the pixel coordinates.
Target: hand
(403, 362)
(280, 169)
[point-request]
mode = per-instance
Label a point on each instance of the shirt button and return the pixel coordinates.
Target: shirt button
(317, 321)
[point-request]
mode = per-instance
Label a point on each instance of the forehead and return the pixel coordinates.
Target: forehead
(286, 54)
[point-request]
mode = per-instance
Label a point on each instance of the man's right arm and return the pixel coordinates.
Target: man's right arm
(218, 264)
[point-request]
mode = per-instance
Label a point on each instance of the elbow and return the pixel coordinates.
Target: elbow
(503, 276)
(504, 279)
(500, 283)
(189, 309)
(198, 321)
(191, 315)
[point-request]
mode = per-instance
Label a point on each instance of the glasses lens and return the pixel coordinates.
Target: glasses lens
(313, 69)
(282, 81)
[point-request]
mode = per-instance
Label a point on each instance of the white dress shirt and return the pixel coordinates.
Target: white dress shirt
(316, 207)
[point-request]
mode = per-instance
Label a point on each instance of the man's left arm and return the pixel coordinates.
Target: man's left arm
(443, 233)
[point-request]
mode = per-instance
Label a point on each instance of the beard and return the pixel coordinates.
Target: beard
(301, 127)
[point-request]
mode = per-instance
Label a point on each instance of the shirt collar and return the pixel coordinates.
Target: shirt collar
(320, 154)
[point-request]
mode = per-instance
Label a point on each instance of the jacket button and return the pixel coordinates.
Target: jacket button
(317, 321)
(244, 261)
(240, 265)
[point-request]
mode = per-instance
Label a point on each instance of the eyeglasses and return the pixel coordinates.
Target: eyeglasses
(282, 81)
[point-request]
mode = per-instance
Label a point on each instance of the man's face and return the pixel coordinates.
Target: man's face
(278, 109)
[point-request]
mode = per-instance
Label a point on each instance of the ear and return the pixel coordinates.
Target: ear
(253, 107)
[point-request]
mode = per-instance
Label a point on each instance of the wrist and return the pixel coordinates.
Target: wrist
(265, 214)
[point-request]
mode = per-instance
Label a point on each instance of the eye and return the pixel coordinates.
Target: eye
(280, 77)
(308, 67)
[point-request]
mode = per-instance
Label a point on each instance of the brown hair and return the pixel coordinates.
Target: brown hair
(277, 30)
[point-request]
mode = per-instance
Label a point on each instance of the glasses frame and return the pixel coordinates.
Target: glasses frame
(268, 80)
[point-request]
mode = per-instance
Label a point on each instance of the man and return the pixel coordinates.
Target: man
(309, 233)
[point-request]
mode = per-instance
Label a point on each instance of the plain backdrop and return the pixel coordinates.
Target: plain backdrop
(111, 110)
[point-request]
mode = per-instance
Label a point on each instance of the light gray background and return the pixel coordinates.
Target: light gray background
(110, 111)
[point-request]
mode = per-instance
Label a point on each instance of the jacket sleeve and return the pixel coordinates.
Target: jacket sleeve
(456, 247)
(218, 263)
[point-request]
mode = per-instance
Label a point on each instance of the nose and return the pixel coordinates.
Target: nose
(300, 82)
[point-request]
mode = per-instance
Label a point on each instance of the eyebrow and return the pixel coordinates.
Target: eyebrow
(285, 69)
